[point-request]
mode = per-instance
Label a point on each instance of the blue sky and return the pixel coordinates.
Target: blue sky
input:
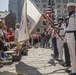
(3, 5)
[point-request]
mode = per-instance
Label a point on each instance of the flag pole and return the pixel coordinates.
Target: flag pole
(25, 30)
(49, 3)
(26, 20)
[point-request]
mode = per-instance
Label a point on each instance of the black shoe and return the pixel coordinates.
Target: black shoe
(72, 74)
(67, 65)
(68, 71)
(64, 64)
(54, 56)
(59, 60)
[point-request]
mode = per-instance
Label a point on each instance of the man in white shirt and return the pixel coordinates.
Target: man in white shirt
(17, 31)
(71, 37)
(61, 34)
(16, 37)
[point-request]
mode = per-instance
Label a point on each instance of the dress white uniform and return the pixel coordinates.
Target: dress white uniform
(71, 40)
(60, 41)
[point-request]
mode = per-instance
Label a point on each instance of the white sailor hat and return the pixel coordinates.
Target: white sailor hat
(55, 23)
(60, 18)
(17, 24)
(71, 4)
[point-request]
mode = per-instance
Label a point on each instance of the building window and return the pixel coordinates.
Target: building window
(44, 1)
(58, 1)
(59, 11)
(65, 6)
(44, 23)
(37, 29)
(71, 0)
(58, 6)
(65, 1)
(44, 5)
(36, 0)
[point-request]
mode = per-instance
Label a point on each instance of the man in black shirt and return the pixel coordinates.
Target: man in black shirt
(42, 40)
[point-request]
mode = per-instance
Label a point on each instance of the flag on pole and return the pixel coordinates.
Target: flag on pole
(33, 15)
(48, 14)
(48, 10)
(29, 19)
(23, 33)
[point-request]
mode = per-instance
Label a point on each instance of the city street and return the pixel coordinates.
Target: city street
(38, 62)
(28, 25)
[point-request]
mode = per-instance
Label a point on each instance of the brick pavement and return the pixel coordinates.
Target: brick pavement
(38, 62)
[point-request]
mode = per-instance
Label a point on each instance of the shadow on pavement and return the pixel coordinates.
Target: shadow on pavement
(52, 62)
(7, 73)
(22, 68)
(57, 72)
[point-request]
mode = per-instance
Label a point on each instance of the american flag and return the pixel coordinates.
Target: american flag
(48, 10)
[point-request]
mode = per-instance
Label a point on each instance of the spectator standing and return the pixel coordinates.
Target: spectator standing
(16, 38)
(11, 33)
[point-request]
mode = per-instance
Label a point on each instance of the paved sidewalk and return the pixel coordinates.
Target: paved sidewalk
(38, 62)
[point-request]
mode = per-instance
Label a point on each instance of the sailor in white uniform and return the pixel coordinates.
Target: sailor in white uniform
(71, 36)
(60, 39)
